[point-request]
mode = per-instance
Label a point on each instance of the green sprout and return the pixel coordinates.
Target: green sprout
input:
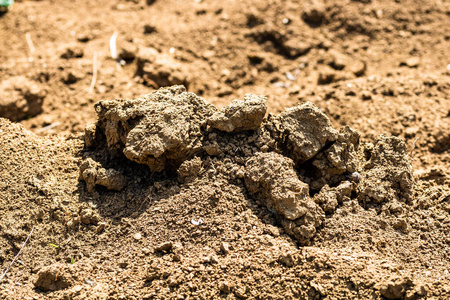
(53, 245)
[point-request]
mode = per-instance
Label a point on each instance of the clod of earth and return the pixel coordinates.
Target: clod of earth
(302, 131)
(388, 172)
(158, 130)
(93, 174)
(271, 177)
(240, 115)
(55, 277)
(21, 98)
(295, 164)
(159, 70)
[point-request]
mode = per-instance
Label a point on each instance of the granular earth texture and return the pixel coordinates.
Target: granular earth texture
(205, 149)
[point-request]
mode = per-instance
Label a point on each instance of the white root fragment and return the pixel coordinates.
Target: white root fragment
(94, 74)
(112, 45)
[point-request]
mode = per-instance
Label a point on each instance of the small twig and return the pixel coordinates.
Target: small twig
(413, 147)
(23, 245)
(30, 46)
(94, 73)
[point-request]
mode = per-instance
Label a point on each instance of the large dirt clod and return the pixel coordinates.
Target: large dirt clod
(54, 277)
(20, 98)
(388, 174)
(159, 69)
(94, 174)
(240, 115)
(341, 158)
(396, 287)
(271, 177)
(158, 129)
(303, 131)
(171, 128)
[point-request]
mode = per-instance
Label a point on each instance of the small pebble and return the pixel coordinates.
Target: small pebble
(166, 246)
(123, 264)
(224, 287)
(224, 247)
(176, 257)
(412, 62)
(90, 282)
(101, 227)
(286, 21)
(214, 259)
(365, 95)
(196, 223)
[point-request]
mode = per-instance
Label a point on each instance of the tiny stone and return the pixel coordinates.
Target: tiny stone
(84, 38)
(123, 264)
(167, 246)
(101, 227)
(412, 62)
(214, 259)
(225, 247)
(176, 257)
(224, 287)
(365, 95)
(146, 251)
(358, 68)
(148, 29)
(137, 236)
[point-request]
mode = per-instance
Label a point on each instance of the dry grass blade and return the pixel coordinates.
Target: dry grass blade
(15, 258)
(48, 127)
(30, 46)
(412, 149)
(94, 73)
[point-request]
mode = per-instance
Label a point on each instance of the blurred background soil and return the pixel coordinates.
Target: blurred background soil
(378, 66)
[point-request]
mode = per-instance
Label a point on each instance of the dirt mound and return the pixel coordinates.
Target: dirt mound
(165, 129)
(227, 211)
(334, 185)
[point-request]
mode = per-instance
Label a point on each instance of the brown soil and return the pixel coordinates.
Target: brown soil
(340, 191)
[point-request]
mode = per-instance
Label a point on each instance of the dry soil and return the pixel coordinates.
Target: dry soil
(327, 178)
